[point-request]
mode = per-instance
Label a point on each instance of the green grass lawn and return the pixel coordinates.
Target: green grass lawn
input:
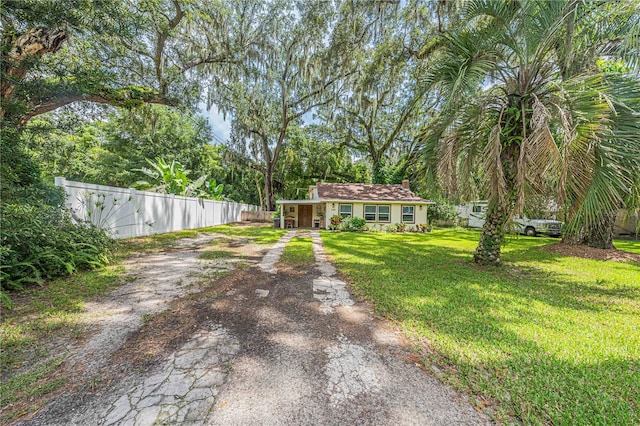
(632, 246)
(546, 339)
(298, 253)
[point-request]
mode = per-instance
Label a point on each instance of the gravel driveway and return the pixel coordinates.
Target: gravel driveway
(264, 344)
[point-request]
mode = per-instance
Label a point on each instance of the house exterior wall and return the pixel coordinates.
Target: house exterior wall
(420, 215)
(293, 214)
(318, 213)
(330, 209)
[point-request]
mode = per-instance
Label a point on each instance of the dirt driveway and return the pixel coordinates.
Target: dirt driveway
(228, 342)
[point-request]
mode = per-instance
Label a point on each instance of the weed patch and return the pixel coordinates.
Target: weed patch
(31, 383)
(215, 254)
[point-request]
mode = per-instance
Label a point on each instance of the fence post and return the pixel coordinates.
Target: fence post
(62, 183)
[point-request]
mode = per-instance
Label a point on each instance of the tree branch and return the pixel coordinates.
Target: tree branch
(33, 43)
(318, 90)
(162, 40)
(127, 97)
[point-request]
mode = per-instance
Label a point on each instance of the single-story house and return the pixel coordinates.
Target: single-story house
(376, 203)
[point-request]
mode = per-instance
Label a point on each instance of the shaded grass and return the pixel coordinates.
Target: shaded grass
(546, 338)
(53, 309)
(632, 246)
(151, 243)
(263, 235)
(30, 384)
(298, 253)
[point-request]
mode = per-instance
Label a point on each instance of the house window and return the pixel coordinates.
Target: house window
(377, 213)
(407, 214)
(345, 210)
(370, 213)
(384, 213)
(477, 208)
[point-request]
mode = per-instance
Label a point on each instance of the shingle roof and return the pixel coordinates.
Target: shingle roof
(366, 192)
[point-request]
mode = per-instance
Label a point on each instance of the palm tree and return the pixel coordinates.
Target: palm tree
(526, 109)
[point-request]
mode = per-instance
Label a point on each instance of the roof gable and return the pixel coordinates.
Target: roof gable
(366, 192)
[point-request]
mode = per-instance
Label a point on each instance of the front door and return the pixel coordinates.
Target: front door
(305, 215)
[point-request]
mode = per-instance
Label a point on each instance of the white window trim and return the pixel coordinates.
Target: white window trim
(413, 214)
(340, 210)
(377, 218)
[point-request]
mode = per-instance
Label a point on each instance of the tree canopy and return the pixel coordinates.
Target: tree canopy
(508, 100)
(526, 104)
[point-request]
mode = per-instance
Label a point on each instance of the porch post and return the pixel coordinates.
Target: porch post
(281, 216)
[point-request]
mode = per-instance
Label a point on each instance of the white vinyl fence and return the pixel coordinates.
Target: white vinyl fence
(127, 212)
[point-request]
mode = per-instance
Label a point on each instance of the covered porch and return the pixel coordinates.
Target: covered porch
(301, 214)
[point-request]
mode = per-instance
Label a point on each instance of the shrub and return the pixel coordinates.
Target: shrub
(400, 227)
(390, 228)
(442, 212)
(38, 238)
(40, 242)
(423, 227)
(352, 224)
(335, 221)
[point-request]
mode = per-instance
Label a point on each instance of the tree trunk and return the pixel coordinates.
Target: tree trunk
(378, 175)
(599, 235)
(268, 187)
(260, 194)
(488, 250)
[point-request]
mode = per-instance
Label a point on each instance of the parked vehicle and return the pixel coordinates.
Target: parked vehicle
(477, 211)
(533, 227)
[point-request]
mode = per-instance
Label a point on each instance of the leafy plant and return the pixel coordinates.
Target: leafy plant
(41, 242)
(213, 190)
(335, 221)
(400, 227)
(423, 227)
(442, 212)
(352, 224)
(172, 178)
(390, 228)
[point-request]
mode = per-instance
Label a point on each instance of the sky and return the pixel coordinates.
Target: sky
(219, 126)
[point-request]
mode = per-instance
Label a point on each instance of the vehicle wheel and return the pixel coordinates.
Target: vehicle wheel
(530, 231)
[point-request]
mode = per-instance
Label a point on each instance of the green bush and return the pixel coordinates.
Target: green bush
(352, 224)
(40, 242)
(442, 212)
(38, 238)
(335, 221)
